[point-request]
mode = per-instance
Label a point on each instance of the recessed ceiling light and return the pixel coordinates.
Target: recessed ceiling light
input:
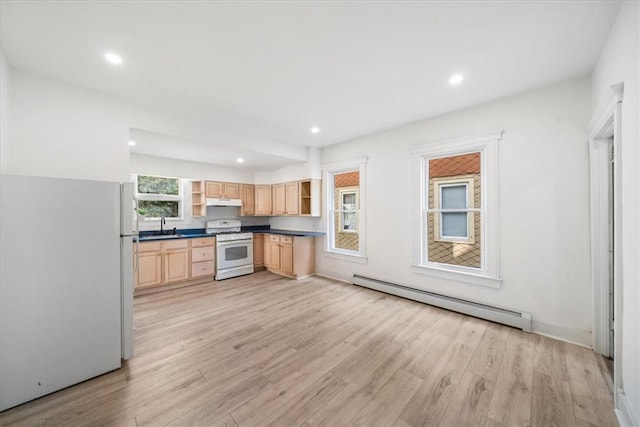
(240, 160)
(315, 129)
(113, 58)
(456, 79)
(132, 143)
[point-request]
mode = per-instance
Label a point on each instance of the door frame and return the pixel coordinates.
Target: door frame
(604, 125)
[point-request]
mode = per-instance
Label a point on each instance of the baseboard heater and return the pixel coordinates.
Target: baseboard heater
(499, 315)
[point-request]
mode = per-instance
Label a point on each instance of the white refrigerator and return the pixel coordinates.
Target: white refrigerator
(66, 283)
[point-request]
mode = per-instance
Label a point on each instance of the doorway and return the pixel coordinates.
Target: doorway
(604, 156)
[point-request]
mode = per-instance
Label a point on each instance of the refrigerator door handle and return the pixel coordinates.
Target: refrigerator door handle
(135, 268)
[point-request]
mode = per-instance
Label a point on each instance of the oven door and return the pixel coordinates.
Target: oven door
(234, 254)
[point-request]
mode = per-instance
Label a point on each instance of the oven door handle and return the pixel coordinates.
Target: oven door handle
(233, 242)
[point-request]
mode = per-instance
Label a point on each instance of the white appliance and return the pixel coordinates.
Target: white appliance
(223, 202)
(234, 249)
(66, 283)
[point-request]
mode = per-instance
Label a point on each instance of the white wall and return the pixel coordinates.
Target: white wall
(66, 132)
(5, 79)
(619, 62)
(544, 213)
(304, 170)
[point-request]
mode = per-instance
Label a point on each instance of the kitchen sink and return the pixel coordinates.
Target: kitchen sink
(162, 236)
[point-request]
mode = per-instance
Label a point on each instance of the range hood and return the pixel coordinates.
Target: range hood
(223, 202)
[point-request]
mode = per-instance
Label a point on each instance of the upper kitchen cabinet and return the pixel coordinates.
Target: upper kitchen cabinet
(278, 199)
(291, 198)
(286, 198)
(309, 191)
(263, 200)
(248, 200)
(198, 199)
(227, 190)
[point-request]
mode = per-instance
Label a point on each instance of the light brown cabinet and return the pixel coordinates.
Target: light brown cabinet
(248, 200)
(263, 200)
(286, 198)
(203, 256)
(198, 199)
(227, 190)
(278, 199)
(309, 191)
(258, 250)
(290, 256)
(174, 261)
(292, 198)
(149, 265)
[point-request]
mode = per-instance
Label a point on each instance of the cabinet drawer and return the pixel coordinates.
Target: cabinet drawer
(205, 253)
(274, 238)
(286, 239)
(204, 268)
(203, 241)
(150, 246)
(176, 244)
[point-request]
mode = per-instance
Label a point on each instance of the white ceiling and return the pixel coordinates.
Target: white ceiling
(277, 68)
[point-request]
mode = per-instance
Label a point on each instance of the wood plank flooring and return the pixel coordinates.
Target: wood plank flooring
(264, 350)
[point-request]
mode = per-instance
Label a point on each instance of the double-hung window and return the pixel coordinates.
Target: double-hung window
(456, 194)
(345, 213)
(159, 196)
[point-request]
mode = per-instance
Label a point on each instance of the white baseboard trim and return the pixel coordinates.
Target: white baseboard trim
(333, 278)
(573, 336)
(624, 415)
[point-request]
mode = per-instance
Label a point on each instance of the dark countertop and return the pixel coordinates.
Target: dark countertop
(189, 233)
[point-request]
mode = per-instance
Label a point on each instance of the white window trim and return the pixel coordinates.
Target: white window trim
(329, 170)
(489, 274)
(162, 197)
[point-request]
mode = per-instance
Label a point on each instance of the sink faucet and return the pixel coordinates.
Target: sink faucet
(163, 221)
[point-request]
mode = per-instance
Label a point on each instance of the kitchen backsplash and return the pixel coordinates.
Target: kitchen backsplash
(213, 212)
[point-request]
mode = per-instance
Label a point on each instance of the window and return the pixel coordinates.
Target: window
(456, 186)
(345, 216)
(159, 196)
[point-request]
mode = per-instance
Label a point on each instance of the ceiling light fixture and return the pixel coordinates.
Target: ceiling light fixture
(132, 143)
(315, 129)
(240, 160)
(113, 58)
(456, 79)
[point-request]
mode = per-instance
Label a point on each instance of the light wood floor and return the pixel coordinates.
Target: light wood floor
(261, 350)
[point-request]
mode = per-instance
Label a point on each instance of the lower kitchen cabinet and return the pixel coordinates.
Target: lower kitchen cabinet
(203, 256)
(290, 256)
(258, 250)
(149, 265)
(175, 261)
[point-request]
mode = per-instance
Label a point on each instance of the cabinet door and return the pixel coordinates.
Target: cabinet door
(149, 269)
(267, 251)
(214, 189)
(292, 200)
(248, 200)
(263, 200)
(278, 199)
(231, 190)
(258, 250)
(286, 258)
(274, 255)
(176, 265)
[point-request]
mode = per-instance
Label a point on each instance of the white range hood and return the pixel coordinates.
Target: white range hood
(223, 202)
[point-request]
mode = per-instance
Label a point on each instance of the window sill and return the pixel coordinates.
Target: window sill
(458, 276)
(346, 257)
